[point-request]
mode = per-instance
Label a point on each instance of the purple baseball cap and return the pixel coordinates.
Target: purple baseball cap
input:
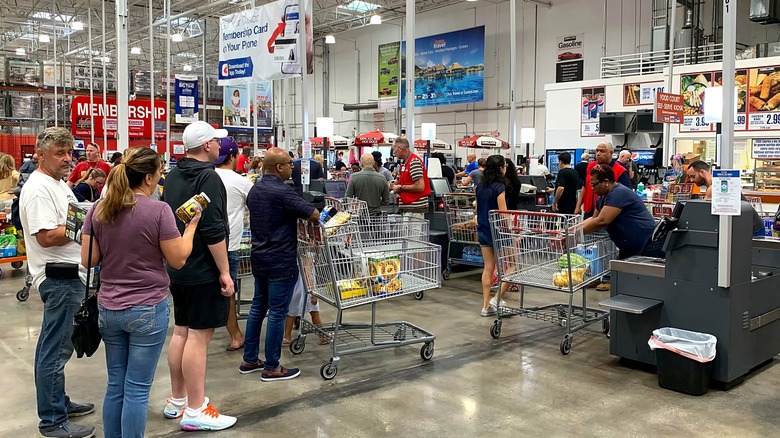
(227, 147)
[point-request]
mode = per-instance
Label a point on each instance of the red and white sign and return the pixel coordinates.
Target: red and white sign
(336, 141)
(668, 108)
(139, 117)
(484, 142)
(374, 138)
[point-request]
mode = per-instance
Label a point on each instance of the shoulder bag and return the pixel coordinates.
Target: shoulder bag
(86, 335)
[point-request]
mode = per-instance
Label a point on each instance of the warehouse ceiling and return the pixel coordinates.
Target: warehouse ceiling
(26, 24)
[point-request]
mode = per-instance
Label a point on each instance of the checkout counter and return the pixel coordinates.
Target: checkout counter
(682, 292)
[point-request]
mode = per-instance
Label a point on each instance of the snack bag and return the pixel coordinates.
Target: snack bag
(384, 272)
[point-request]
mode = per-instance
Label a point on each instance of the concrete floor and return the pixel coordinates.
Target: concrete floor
(518, 385)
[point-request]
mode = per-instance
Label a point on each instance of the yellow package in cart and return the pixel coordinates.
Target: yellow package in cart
(390, 287)
(351, 289)
(384, 268)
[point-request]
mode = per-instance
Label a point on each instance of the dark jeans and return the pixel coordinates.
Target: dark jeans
(61, 300)
(134, 338)
(233, 260)
(272, 298)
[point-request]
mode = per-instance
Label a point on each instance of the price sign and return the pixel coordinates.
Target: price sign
(590, 130)
(695, 124)
(178, 149)
(740, 122)
(305, 171)
(765, 121)
(641, 93)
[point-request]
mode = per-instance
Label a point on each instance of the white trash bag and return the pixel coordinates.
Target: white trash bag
(693, 345)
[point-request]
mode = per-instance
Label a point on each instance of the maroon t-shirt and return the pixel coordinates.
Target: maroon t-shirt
(133, 267)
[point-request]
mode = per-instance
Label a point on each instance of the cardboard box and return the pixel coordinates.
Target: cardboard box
(77, 211)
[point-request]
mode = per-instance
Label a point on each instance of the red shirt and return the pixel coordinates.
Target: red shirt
(81, 169)
(242, 165)
(589, 199)
(405, 177)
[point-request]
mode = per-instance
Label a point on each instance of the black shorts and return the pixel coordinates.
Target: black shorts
(200, 306)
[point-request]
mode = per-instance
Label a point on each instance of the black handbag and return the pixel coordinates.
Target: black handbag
(86, 335)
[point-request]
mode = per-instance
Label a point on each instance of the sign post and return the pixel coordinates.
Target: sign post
(727, 135)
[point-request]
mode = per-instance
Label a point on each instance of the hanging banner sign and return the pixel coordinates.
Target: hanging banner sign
(240, 107)
(261, 43)
(186, 98)
(139, 117)
(726, 193)
(593, 103)
(570, 64)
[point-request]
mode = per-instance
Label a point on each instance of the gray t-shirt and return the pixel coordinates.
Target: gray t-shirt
(476, 177)
(133, 267)
(368, 185)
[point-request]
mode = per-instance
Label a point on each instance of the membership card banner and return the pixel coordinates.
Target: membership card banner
(726, 193)
(262, 43)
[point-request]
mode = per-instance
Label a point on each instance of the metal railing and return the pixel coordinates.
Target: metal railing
(649, 63)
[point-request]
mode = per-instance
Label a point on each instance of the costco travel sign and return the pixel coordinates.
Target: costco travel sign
(86, 117)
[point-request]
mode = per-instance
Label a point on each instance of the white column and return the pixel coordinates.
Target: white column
(410, 72)
(727, 133)
(667, 144)
(122, 76)
(513, 75)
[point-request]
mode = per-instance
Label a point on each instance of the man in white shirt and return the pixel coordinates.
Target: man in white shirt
(237, 188)
(53, 261)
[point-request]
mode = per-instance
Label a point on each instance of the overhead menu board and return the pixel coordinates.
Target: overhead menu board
(641, 93)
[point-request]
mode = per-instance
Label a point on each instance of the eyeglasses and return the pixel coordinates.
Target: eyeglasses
(592, 184)
(286, 163)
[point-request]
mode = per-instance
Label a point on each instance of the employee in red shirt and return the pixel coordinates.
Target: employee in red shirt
(242, 162)
(587, 201)
(412, 184)
(93, 161)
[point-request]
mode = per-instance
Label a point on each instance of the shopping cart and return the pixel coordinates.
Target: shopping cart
(549, 251)
(244, 268)
(359, 213)
(462, 229)
(360, 263)
(17, 263)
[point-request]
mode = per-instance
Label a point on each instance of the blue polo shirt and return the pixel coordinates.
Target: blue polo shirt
(274, 210)
(471, 166)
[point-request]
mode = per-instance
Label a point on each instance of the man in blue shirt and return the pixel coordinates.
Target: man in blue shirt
(472, 159)
(274, 210)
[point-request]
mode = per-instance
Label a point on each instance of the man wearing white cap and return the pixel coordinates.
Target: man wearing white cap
(201, 289)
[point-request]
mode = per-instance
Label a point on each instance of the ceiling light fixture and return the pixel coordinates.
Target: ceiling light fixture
(187, 67)
(21, 52)
(44, 38)
(135, 50)
(330, 39)
(77, 25)
(177, 38)
(375, 19)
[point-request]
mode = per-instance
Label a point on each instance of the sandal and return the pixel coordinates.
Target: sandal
(285, 342)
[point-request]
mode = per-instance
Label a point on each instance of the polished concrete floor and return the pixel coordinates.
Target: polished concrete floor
(518, 385)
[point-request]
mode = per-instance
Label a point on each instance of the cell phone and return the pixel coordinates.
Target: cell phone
(291, 23)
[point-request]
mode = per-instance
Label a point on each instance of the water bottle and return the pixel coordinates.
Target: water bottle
(640, 188)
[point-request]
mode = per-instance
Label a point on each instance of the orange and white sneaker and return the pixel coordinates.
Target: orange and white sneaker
(207, 419)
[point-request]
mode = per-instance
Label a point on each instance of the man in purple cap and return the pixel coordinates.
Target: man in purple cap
(237, 188)
(202, 288)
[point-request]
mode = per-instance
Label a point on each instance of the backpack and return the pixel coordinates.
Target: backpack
(16, 219)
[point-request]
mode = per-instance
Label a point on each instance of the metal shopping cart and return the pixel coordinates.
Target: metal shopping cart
(462, 229)
(360, 263)
(17, 263)
(549, 251)
(244, 268)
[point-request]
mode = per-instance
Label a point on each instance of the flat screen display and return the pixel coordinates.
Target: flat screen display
(336, 189)
(440, 186)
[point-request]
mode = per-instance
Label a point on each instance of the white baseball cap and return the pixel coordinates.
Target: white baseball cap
(197, 133)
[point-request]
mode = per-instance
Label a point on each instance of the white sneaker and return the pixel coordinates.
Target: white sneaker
(208, 419)
(493, 303)
(172, 410)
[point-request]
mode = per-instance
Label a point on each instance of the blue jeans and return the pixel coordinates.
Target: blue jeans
(61, 300)
(134, 338)
(272, 297)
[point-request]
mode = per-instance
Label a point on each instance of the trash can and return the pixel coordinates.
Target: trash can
(684, 359)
